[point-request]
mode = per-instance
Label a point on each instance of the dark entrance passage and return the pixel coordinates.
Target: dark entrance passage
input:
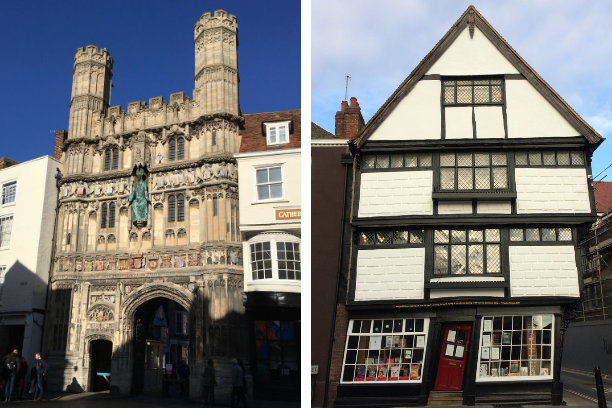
(161, 343)
(11, 338)
(100, 354)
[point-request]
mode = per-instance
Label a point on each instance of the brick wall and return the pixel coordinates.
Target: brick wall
(396, 193)
(349, 120)
(494, 207)
(455, 207)
(6, 162)
(541, 190)
(384, 274)
(252, 134)
(60, 137)
(543, 271)
(335, 370)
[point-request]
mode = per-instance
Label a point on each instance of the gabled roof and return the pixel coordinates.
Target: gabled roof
(253, 138)
(470, 18)
(317, 132)
(603, 196)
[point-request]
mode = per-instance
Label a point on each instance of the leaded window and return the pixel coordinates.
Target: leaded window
(115, 164)
(180, 207)
(171, 209)
(111, 159)
(111, 215)
(215, 207)
(473, 171)
(473, 252)
(549, 158)
(171, 150)
(546, 234)
(472, 92)
(397, 161)
(395, 237)
(180, 148)
(214, 138)
(104, 215)
(107, 160)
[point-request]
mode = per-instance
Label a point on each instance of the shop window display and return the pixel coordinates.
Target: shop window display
(276, 350)
(516, 346)
(385, 350)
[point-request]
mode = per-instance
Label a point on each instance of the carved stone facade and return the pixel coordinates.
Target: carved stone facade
(188, 250)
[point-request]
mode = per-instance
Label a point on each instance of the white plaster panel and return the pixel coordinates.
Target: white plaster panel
(384, 274)
(471, 292)
(493, 207)
(416, 116)
(458, 122)
(472, 56)
(455, 207)
(552, 190)
(543, 271)
(396, 193)
(489, 122)
(530, 115)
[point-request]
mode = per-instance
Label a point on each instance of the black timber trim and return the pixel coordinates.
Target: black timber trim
(558, 143)
(505, 258)
(491, 195)
(431, 77)
(589, 170)
(399, 169)
(484, 301)
(471, 285)
(514, 76)
(474, 220)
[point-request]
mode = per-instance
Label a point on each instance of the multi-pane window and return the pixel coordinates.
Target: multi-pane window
(176, 208)
(111, 215)
(182, 323)
(176, 149)
(214, 138)
(104, 215)
(6, 226)
(385, 350)
(540, 234)
(460, 252)
(516, 346)
(2, 276)
(261, 261)
(472, 92)
(289, 264)
(215, 207)
(277, 133)
(397, 237)
(9, 190)
(548, 158)
(473, 171)
(397, 161)
(111, 159)
(269, 183)
(68, 239)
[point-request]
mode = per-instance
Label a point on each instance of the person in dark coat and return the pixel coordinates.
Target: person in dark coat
(21, 375)
(237, 384)
(41, 371)
(12, 364)
(209, 381)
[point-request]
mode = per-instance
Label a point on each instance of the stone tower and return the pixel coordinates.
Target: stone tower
(216, 63)
(91, 84)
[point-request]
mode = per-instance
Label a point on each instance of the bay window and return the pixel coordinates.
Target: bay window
(276, 257)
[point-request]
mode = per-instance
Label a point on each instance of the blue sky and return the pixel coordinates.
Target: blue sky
(152, 45)
(569, 43)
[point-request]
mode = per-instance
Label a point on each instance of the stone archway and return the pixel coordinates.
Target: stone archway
(90, 338)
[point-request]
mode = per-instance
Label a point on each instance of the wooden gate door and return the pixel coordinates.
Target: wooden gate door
(453, 357)
(140, 348)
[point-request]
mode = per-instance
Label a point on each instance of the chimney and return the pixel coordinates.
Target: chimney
(349, 120)
(60, 138)
(6, 162)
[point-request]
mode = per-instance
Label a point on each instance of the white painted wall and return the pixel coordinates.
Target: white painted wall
(489, 122)
(552, 190)
(385, 274)
(493, 207)
(543, 271)
(467, 292)
(417, 116)
(458, 122)
(396, 193)
(472, 56)
(454, 207)
(530, 115)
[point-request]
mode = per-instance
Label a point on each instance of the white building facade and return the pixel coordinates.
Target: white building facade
(27, 218)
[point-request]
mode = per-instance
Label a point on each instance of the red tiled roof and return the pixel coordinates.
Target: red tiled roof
(603, 196)
(253, 138)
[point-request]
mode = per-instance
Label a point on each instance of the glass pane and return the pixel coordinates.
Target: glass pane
(263, 192)
(500, 177)
(464, 94)
(565, 234)
(400, 237)
(475, 261)
(464, 159)
(549, 234)
(458, 261)
(449, 94)
(384, 237)
(273, 135)
(500, 159)
(496, 81)
(382, 161)
(483, 179)
(276, 191)
(482, 159)
(481, 94)
(426, 160)
(457, 236)
(275, 174)
(465, 179)
(549, 158)
(493, 259)
(532, 234)
(368, 162)
(492, 235)
(516, 234)
(441, 236)
(577, 158)
(440, 259)
(447, 159)
(397, 161)
(447, 179)
(412, 160)
(416, 237)
(563, 158)
(496, 93)
(535, 158)
(520, 158)
(262, 176)
(366, 238)
(475, 236)
(281, 134)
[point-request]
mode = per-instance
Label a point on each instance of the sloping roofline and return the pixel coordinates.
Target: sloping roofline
(471, 17)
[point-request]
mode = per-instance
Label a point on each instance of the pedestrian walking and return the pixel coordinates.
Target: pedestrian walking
(12, 364)
(41, 372)
(21, 376)
(237, 384)
(209, 381)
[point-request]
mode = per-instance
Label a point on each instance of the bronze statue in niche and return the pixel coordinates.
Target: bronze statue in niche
(139, 199)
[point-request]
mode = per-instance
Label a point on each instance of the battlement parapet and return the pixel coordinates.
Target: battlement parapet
(220, 19)
(91, 53)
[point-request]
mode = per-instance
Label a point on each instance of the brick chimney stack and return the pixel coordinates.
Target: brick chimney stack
(60, 138)
(349, 120)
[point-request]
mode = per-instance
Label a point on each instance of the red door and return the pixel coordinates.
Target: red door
(453, 357)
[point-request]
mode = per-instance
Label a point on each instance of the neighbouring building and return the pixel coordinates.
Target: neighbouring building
(147, 269)
(471, 190)
(27, 216)
(270, 227)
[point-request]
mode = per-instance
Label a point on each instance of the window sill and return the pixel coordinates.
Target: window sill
(462, 285)
(9, 204)
(280, 200)
(514, 378)
(473, 195)
(274, 281)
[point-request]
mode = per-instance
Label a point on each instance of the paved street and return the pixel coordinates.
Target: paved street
(582, 385)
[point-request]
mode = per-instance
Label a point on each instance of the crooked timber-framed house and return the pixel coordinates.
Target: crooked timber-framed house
(471, 187)
(148, 255)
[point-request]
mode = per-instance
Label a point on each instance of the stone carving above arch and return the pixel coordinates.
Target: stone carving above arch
(168, 290)
(100, 314)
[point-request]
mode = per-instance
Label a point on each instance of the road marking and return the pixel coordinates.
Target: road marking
(583, 396)
(606, 390)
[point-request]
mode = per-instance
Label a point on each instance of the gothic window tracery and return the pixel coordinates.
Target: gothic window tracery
(108, 215)
(176, 149)
(176, 208)
(111, 159)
